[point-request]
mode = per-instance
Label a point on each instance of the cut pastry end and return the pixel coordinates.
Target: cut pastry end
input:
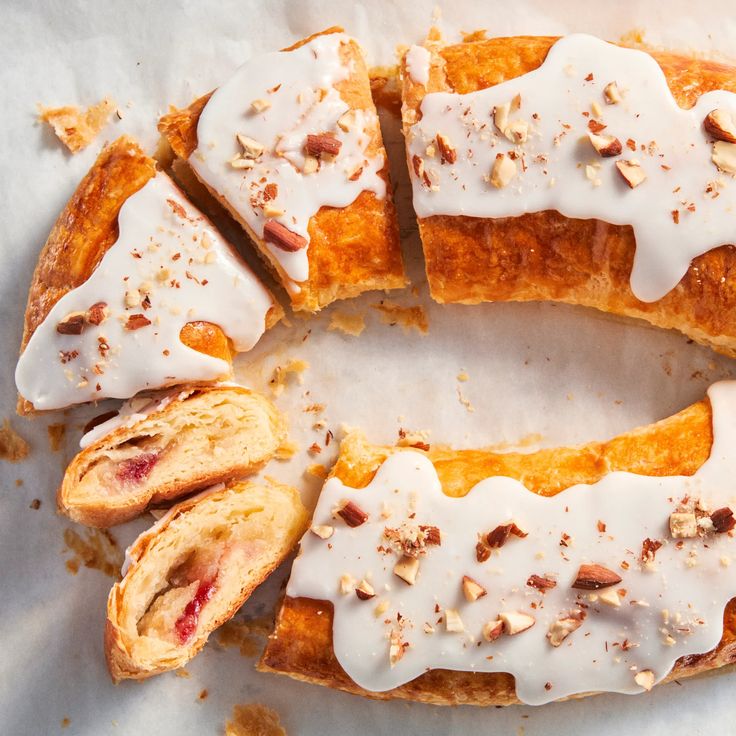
(191, 572)
(194, 440)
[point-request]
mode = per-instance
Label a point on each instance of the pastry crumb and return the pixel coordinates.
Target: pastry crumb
(410, 318)
(248, 635)
(35, 504)
(281, 374)
(56, 436)
(66, 722)
(480, 35)
(181, 672)
(317, 470)
(464, 401)
(76, 128)
(203, 695)
(286, 450)
(350, 324)
(416, 439)
(463, 377)
(97, 549)
(12, 446)
(254, 719)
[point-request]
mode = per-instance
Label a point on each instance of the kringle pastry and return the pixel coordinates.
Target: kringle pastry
(191, 572)
(159, 448)
(607, 570)
(564, 170)
(134, 289)
(291, 146)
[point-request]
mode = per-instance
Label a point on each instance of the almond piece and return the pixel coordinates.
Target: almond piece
(560, 629)
(610, 597)
(514, 622)
(517, 131)
(311, 165)
(364, 590)
(97, 313)
(649, 549)
(407, 568)
(724, 156)
(347, 584)
(501, 116)
(595, 577)
(632, 172)
(280, 236)
(503, 171)
(396, 648)
(241, 163)
(448, 154)
(605, 145)
(322, 143)
(323, 531)
(453, 622)
(472, 590)
(645, 679)
(721, 125)
(492, 630)
(683, 525)
(72, 324)
(351, 513)
(260, 105)
(136, 321)
(482, 551)
(346, 122)
(432, 535)
(132, 298)
(542, 584)
(381, 608)
(252, 149)
(612, 93)
(723, 520)
(499, 536)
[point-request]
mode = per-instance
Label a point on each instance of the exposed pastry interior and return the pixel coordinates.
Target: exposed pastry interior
(191, 572)
(292, 147)
(165, 446)
(488, 579)
(577, 171)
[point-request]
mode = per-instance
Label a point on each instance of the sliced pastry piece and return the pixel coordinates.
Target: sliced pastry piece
(134, 289)
(472, 577)
(191, 572)
(576, 171)
(291, 146)
(162, 447)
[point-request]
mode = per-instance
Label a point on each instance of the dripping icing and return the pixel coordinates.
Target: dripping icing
(562, 170)
(298, 87)
(160, 234)
(593, 658)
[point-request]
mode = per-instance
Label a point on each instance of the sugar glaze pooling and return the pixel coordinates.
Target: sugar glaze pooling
(205, 282)
(681, 596)
(298, 88)
(558, 100)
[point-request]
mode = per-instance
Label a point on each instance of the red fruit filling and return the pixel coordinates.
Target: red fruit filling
(136, 469)
(186, 624)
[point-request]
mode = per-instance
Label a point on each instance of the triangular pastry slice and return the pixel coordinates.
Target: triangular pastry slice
(292, 147)
(135, 289)
(161, 447)
(475, 577)
(577, 171)
(191, 572)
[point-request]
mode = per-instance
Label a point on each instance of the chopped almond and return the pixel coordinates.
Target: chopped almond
(564, 626)
(252, 149)
(280, 236)
(645, 679)
(351, 513)
(472, 590)
(448, 154)
(605, 145)
(514, 622)
(499, 536)
(453, 622)
(323, 531)
(364, 590)
(683, 525)
(595, 577)
(493, 629)
(724, 156)
(407, 568)
(632, 172)
(503, 171)
(721, 125)
(612, 93)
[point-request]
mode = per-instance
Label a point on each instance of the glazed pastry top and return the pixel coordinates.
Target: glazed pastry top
(601, 587)
(119, 332)
(593, 133)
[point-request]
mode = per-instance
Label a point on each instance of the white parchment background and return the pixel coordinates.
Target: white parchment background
(567, 374)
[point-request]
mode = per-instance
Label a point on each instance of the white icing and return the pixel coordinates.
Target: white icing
(297, 108)
(555, 177)
(418, 60)
(206, 282)
(633, 507)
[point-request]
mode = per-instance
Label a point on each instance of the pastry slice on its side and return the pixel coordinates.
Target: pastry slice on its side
(160, 448)
(291, 146)
(191, 572)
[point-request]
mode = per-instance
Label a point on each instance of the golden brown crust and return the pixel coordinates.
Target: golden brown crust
(301, 645)
(83, 233)
(545, 256)
(352, 249)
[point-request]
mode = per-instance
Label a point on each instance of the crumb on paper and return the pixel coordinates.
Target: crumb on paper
(479, 35)
(314, 408)
(181, 672)
(76, 128)
(349, 324)
(66, 722)
(410, 318)
(19, 482)
(254, 719)
(464, 401)
(286, 450)
(203, 695)
(463, 377)
(317, 470)
(417, 439)
(248, 635)
(633, 38)
(35, 504)
(56, 436)
(97, 549)
(281, 374)
(12, 446)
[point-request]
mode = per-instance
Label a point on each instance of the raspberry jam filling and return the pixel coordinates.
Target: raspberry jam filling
(186, 624)
(136, 469)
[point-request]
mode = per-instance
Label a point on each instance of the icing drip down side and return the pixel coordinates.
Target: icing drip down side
(118, 332)
(599, 588)
(278, 142)
(592, 133)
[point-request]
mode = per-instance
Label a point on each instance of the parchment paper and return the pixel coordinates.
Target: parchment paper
(537, 374)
